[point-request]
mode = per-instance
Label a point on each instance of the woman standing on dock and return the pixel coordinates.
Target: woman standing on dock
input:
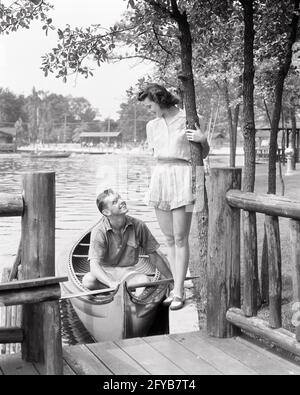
(170, 191)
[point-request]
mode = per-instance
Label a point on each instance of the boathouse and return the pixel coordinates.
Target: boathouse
(100, 137)
(7, 139)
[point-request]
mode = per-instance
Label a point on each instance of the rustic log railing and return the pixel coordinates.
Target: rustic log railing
(225, 315)
(38, 292)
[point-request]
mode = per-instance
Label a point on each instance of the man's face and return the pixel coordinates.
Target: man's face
(115, 205)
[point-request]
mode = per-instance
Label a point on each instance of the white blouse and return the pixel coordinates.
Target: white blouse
(169, 141)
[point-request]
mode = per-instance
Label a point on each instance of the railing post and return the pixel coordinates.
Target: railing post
(42, 335)
(295, 255)
(250, 269)
(223, 271)
(275, 276)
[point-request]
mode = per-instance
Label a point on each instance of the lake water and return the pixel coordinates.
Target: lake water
(79, 179)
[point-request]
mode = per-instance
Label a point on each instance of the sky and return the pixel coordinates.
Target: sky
(21, 53)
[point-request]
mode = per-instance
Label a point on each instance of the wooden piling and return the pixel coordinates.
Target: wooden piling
(223, 269)
(38, 260)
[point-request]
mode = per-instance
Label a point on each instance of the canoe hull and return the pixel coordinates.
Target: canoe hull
(119, 319)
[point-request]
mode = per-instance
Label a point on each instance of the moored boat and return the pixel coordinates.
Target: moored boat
(47, 154)
(117, 314)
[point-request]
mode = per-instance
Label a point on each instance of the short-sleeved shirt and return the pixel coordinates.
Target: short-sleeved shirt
(105, 244)
(169, 141)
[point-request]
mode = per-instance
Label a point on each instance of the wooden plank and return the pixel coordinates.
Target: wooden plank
(11, 335)
(7, 310)
(260, 328)
(261, 364)
(11, 205)
(268, 204)
(185, 359)
(67, 370)
(217, 358)
(275, 275)
(14, 365)
(116, 359)
(30, 295)
(250, 288)
(291, 366)
(223, 266)
(32, 283)
(295, 258)
(3, 347)
(83, 361)
(41, 368)
(52, 338)
(149, 358)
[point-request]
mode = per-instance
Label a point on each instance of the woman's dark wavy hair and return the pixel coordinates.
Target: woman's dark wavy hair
(159, 95)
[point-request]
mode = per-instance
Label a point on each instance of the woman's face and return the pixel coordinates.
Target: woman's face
(154, 107)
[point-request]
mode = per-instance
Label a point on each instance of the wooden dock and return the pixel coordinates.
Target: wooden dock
(178, 354)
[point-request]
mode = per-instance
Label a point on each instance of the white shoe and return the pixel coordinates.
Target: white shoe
(169, 299)
(177, 302)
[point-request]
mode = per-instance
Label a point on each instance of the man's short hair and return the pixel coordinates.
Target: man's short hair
(101, 199)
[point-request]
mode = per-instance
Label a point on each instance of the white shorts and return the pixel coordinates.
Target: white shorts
(171, 185)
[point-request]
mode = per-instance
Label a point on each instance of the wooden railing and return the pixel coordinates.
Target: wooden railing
(38, 292)
(225, 317)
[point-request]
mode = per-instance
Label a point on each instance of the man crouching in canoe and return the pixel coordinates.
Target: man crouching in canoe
(115, 245)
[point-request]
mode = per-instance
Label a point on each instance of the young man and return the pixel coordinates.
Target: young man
(116, 242)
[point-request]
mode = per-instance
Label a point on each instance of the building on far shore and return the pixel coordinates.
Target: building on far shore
(96, 138)
(284, 140)
(7, 139)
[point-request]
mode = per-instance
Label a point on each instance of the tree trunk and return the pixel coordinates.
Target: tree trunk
(248, 97)
(249, 219)
(293, 136)
(230, 125)
(200, 229)
(236, 116)
(282, 73)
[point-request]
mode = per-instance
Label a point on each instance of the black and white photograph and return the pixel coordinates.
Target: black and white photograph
(149, 190)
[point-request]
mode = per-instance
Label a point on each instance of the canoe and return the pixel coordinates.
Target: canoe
(47, 154)
(119, 314)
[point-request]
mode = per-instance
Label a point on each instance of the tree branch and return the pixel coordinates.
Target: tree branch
(159, 43)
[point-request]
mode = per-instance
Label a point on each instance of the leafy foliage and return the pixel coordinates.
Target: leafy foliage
(21, 13)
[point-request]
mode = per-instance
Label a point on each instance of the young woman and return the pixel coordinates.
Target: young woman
(170, 191)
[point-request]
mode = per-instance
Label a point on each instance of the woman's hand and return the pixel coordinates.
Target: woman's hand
(197, 136)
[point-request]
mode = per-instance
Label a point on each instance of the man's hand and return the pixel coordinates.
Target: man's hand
(161, 263)
(114, 284)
